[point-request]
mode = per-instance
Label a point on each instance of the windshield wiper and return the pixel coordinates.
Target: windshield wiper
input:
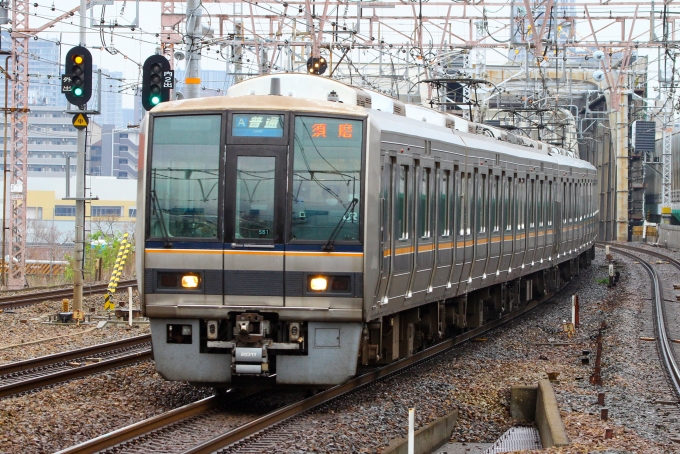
(159, 213)
(328, 247)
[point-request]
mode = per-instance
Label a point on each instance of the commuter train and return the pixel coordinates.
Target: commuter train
(300, 227)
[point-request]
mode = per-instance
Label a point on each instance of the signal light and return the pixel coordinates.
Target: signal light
(157, 81)
(316, 65)
(76, 83)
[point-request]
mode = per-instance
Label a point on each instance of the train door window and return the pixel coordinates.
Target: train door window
(521, 194)
(541, 203)
(580, 201)
(470, 202)
(424, 201)
(254, 214)
(531, 206)
(569, 205)
(460, 204)
(388, 194)
(402, 203)
(549, 217)
(494, 212)
(482, 205)
(444, 203)
(507, 213)
(564, 203)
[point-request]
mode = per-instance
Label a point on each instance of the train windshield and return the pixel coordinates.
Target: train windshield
(184, 184)
(326, 179)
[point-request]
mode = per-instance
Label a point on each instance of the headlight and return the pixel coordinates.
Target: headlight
(190, 281)
(329, 284)
(318, 284)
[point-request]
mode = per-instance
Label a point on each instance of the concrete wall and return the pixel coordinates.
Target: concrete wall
(669, 236)
(428, 438)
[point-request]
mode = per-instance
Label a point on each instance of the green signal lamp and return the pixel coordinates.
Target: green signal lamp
(155, 100)
(78, 91)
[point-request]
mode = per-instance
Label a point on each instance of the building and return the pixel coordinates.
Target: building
(112, 99)
(116, 204)
(44, 68)
(115, 154)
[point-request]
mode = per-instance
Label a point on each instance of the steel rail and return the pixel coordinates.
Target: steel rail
(75, 372)
(42, 361)
(657, 295)
(140, 428)
(28, 299)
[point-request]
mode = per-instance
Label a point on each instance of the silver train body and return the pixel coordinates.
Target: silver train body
(299, 227)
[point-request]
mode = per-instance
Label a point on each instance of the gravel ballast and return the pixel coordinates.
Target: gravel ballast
(474, 378)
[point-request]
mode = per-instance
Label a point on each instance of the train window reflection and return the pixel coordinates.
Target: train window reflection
(185, 164)
(255, 197)
(326, 179)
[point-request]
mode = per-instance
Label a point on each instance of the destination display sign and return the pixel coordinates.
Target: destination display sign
(257, 125)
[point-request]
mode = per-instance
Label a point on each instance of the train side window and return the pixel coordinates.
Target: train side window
(424, 200)
(402, 203)
(444, 203)
(482, 204)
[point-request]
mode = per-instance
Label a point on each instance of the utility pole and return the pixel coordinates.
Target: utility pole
(622, 190)
(79, 245)
(192, 78)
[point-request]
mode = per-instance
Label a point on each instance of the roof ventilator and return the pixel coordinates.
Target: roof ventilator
(275, 87)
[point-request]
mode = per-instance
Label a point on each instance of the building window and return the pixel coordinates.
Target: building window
(64, 210)
(122, 174)
(123, 135)
(34, 213)
(132, 212)
(105, 211)
(122, 161)
(122, 148)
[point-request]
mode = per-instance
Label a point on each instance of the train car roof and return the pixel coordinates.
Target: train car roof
(263, 102)
(397, 124)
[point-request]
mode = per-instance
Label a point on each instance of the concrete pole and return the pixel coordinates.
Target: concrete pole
(622, 168)
(192, 78)
(78, 254)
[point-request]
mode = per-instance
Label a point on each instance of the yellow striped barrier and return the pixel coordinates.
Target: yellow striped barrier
(123, 252)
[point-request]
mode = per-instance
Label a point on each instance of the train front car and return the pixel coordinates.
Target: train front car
(253, 257)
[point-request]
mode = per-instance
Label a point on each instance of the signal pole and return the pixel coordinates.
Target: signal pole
(192, 76)
(79, 245)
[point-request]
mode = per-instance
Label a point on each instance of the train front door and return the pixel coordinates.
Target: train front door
(254, 215)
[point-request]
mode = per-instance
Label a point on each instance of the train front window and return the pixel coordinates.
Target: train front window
(184, 184)
(326, 179)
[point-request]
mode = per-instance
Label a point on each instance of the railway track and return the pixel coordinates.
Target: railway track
(261, 434)
(661, 327)
(28, 299)
(48, 370)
